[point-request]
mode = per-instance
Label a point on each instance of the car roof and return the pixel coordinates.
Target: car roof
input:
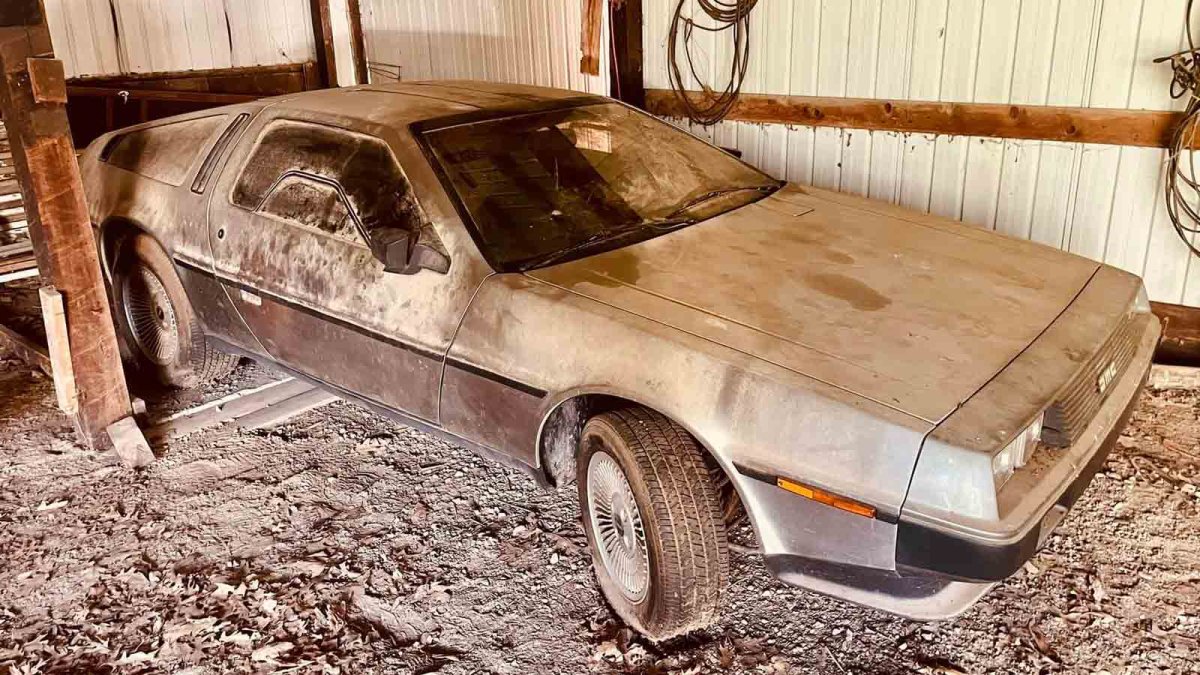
(402, 103)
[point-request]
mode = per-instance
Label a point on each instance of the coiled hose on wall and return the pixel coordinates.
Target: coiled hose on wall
(711, 106)
(1182, 186)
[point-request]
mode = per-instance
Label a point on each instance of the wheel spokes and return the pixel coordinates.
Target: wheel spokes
(150, 315)
(617, 524)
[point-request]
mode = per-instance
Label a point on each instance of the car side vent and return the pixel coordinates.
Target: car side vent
(210, 163)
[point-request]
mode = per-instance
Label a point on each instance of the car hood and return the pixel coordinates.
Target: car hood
(912, 311)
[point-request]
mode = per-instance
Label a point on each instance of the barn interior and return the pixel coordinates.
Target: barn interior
(263, 520)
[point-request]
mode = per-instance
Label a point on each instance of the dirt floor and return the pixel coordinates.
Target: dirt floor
(344, 543)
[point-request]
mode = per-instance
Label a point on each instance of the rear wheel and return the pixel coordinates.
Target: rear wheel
(165, 344)
(654, 521)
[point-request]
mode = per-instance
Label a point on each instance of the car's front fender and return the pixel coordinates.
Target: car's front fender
(526, 347)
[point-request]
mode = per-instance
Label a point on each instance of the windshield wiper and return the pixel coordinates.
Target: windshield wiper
(713, 194)
(597, 238)
(669, 223)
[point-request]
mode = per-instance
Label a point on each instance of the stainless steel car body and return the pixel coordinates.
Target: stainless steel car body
(862, 349)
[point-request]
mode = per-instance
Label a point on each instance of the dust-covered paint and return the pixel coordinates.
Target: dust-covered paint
(834, 340)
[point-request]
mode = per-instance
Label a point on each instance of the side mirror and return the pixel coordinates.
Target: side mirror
(401, 253)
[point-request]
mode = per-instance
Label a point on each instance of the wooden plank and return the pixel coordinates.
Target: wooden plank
(256, 408)
(27, 350)
(323, 39)
(1181, 334)
(19, 248)
(589, 38)
(54, 316)
(26, 273)
(18, 263)
(225, 409)
(627, 81)
(1143, 128)
(1174, 377)
(15, 227)
(285, 410)
(239, 402)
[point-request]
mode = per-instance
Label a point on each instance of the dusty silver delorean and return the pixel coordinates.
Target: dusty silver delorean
(904, 406)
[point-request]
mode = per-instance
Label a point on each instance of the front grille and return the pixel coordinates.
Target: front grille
(1078, 403)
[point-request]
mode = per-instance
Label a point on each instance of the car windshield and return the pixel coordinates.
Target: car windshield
(546, 187)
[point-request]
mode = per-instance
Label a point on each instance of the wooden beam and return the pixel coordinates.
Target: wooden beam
(59, 224)
(1145, 128)
(358, 46)
(1181, 334)
(27, 350)
(17, 264)
(589, 38)
(263, 80)
(323, 41)
(160, 95)
(627, 83)
(99, 104)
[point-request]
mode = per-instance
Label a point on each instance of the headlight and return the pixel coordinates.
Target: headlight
(1017, 453)
(1141, 304)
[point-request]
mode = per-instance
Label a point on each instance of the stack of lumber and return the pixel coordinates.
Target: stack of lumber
(12, 209)
(17, 261)
(16, 254)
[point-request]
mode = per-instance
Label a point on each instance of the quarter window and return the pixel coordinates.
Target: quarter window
(371, 180)
(165, 152)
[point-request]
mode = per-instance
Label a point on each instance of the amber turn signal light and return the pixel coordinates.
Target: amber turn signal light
(826, 498)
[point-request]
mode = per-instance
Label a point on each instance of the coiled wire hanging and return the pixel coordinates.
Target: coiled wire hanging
(731, 15)
(1182, 186)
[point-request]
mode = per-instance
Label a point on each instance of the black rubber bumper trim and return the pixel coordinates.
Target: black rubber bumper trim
(924, 550)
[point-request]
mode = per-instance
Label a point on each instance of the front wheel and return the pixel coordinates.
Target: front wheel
(164, 341)
(654, 521)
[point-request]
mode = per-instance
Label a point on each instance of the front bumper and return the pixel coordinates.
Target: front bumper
(937, 571)
(921, 549)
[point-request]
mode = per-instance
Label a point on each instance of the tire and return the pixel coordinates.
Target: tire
(681, 522)
(163, 342)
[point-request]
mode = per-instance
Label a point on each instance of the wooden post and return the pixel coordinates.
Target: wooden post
(33, 99)
(589, 39)
(323, 40)
(358, 45)
(625, 69)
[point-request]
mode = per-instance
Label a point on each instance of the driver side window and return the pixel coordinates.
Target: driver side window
(372, 187)
(312, 203)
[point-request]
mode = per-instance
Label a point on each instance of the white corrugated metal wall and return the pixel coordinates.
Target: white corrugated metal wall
(109, 37)
(522, 41)
(1100, 201)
